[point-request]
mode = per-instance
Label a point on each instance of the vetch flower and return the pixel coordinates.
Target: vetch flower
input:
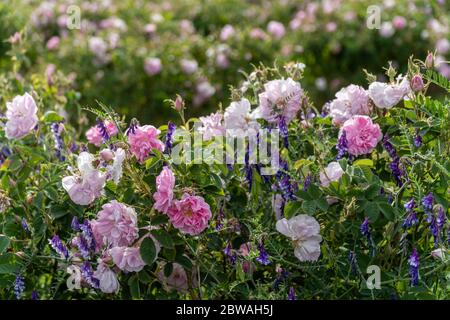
(365, 231)
(263, 256)
(169, 137)
(127, 258)
(59, 247)
(342, 146)
(88, 275)
(333, 172)
(395, 163)
(165, 183)
(57, 128)
(304, 231)
(19, 286)
(362, 135)
(291, 294)
(21, 115)
(411, 219)
(427, 203)
(190, 215)
(414, 264)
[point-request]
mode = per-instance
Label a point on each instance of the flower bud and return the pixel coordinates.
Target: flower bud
(429, 61)
(107, 155)
(417, 83)
(178, 104)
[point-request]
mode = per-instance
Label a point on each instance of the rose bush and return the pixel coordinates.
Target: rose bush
(122, 209)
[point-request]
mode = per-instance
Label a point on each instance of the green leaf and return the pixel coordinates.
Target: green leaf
(309, 207)
(133, 282)
(12, 229)
(52, 116)
(387, 210)
(148, 251)
(8, 263)
(159, 219)
(292, 208)
(168, 268)
(184, 261)
(4, 243)
(363, 162)
(144, 277)
(163, 237)
(370, 210)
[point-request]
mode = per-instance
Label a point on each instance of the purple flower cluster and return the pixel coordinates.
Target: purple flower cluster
(342, 146)
(284, 181)
(248, 168)
(427, 203)
(132, 128)
(230, 254)
(365, 231)
(307, 182)
(220, 217)
(4, 154)
(19, 286)
(59, 247)
(103, 130)
(395, 163)
(417, 139)
(263, 257)
(59, 142)
(414, 267)
(284, 133)
(24, 225)
(291, 293)
(411, 219)
(88, 275)
(282, 276)
(169, 137)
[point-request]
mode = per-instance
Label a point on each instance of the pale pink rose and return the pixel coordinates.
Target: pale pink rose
(362, 135)
(53, 43)
(222, 61)
(387, 30)
(127, 258)
(442, 46)
(114, 170)
(163, 196)
(204, 90)
(333, 172)
(21, 116)
(331, 27)
(49, 72)
(227, 32)
(350, 101)
(143, 140)
(281, 98)
(117, 224)
(150, 28)
(387, 95)
(211, 126)
(152, 66)
(399, 22)
(190, 214)
(276, 29)
(107, 278)
(83, 189)
(278, 203)
(439, 254)
(245, 249)
(304, 231)
(177, 280)
(189, 66)
(239, 120)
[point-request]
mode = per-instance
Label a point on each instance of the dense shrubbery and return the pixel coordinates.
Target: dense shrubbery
(133, 55)
(364, 182)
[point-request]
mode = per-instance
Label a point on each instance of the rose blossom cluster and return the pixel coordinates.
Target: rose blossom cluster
(350, 101)
(190, 214)
(142, 140)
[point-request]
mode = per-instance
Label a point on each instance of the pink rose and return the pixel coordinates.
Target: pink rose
(127, 258)
(53, 43)
(351, 100)
(163, 196)
(227, 32)
(190, 214)
(94, 134)
(211, 126)
(276, 29)
(152, 66)
(107, 278)
(333, 172)
(21, 115)
(281, 98)
(362, 135)
(177, 279)
(189, 66)
(143, 140)
(399, 22)
(116, 224)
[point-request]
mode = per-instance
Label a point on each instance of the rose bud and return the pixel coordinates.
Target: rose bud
(417, 83)
(107, 155)
(429, 61)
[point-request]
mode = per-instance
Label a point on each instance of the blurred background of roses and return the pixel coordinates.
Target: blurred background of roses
(135, 54)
